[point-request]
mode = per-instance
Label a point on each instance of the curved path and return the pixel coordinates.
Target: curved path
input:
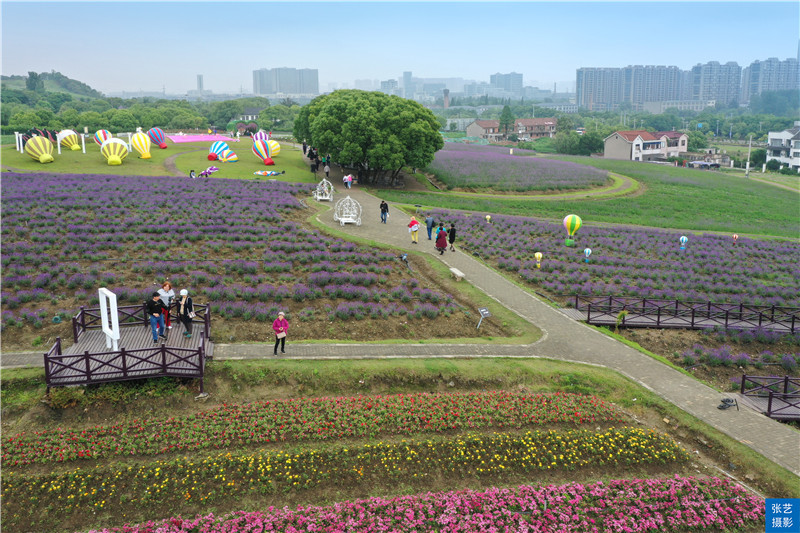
(563, 339)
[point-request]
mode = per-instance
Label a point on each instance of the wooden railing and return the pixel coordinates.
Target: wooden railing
(88, 368)
(647, 312)
(131, 315)
(782, 394)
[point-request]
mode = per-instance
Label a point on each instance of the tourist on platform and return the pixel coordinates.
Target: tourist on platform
(186, 312)
(281, 328)
(167, 297)
(156, 315)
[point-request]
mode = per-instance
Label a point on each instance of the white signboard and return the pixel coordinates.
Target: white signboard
(108, 306)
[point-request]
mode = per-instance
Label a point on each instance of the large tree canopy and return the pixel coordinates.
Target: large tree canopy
(373, 132)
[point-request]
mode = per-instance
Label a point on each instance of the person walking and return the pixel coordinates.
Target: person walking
(413, 228)
(281, 328)
(186, 312)
(429, 224)
(327, 170)
(156, 315)
(451, 236)
(440, 229)
(384, 211)
(441, 241)
(167, 296)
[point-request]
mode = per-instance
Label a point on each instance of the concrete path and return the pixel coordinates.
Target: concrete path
(563, 339)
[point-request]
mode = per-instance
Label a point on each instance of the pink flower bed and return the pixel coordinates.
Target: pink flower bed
(635, 505)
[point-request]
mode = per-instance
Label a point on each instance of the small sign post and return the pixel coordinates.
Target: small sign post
(484, 311)
(108, 306)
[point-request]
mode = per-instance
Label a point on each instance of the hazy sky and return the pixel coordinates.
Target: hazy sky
(147, 45)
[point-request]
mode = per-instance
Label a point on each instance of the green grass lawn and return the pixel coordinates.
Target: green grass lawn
(670, 197)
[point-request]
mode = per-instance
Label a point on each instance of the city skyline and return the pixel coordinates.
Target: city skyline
(165, 45)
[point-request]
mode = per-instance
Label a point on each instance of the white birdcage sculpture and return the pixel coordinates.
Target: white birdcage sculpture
(324, 191)
(347, 211)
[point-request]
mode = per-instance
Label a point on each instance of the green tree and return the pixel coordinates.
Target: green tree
(506, 119)
(34, 82)
(92, 120)
(371, 132)
(758, 157)
(122, 120)
(567, 142)
(697, 141)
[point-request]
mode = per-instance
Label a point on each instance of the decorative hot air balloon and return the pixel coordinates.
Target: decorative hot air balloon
(269, 172)
(538, 256)
(141, 143)
(101, 136)
(572, 223)
(157, 136)
(215, 152)
(274, 147)
(735, 238)
(261, 149)
(69, 139)
(114, 150)
(260, 136)
(683, 240)
(40, 148)
(228, 156)
(587, 252)
(488, 219)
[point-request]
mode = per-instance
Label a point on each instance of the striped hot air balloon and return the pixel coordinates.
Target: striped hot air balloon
(261, 150)
(141, 143)
(228, 156)
(157, 136)
(69, 139)
(40, 148)
(260, 136)
(215, 152)
(101, 136)
(571, 223)
(114, 150)
(274, 148)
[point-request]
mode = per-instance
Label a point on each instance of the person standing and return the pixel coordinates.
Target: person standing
(451, 236)
(384, 211)
(156, 315)
(192, 174)
(429, 224)
(305, 148)
(186, 312)
(167, 296)
(281, 328)
(413, 228)
(441, 241)
(327, 170)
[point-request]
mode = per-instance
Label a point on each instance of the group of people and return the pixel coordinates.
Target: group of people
(316, 162)
(158, 311)
(443, 236)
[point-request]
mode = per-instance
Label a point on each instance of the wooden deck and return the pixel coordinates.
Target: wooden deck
(138, 336)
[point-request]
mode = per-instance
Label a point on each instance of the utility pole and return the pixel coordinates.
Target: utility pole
(747, 169)
(717, 127)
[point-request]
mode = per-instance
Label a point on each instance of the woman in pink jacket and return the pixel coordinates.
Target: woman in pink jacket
(281, 328)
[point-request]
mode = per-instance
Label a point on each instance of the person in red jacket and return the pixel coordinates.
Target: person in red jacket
(441, 241)
(281, 328)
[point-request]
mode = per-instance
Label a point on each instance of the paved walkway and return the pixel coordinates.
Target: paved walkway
(563, 339)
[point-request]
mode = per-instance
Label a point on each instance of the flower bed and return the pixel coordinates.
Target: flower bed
(466, 166)
(631, 505)
(231, 475)
(643, 263)
(308, 419)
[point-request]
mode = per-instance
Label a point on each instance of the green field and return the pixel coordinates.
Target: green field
(670, 197)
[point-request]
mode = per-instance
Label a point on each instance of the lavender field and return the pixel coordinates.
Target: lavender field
(232, 243)
(636, 262)
(462, 166)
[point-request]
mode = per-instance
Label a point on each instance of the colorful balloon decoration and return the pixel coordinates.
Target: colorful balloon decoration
(683, 241)
(735, 238)
(228, 156)
(114, 150)
(40, 148)
(50, 135)
(101, 136)
(538, 257)
(269, 172)
(274, 147)
(261, 149)
(216, 150)
(141, 143)
(260, 136)
(587, 252)
(157, 136)
(69, 139)
(488, 219)
(572, 223)
(207, 172)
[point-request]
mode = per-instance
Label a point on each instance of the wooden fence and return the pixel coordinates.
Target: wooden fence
(775, 396)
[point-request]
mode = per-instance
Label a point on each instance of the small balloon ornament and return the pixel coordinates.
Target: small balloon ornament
(40, 149)
(735, 238)
(141, 143)
(157, 136)
(69, 139)
(228, 156)
(101, 136)
(683, 241)
(114, 150)
(572, 223)
(488, 219)
(587, 252)
(538, 257)
(215, 152)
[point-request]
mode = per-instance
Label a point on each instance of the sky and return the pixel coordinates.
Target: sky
(162, 45)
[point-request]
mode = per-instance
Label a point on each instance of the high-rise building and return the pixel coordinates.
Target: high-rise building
(769, 75)
(511, 83)
(286, 80)
(199, 82)
(408, 85)
(389, 87)
(600, 89)
(714, 81)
